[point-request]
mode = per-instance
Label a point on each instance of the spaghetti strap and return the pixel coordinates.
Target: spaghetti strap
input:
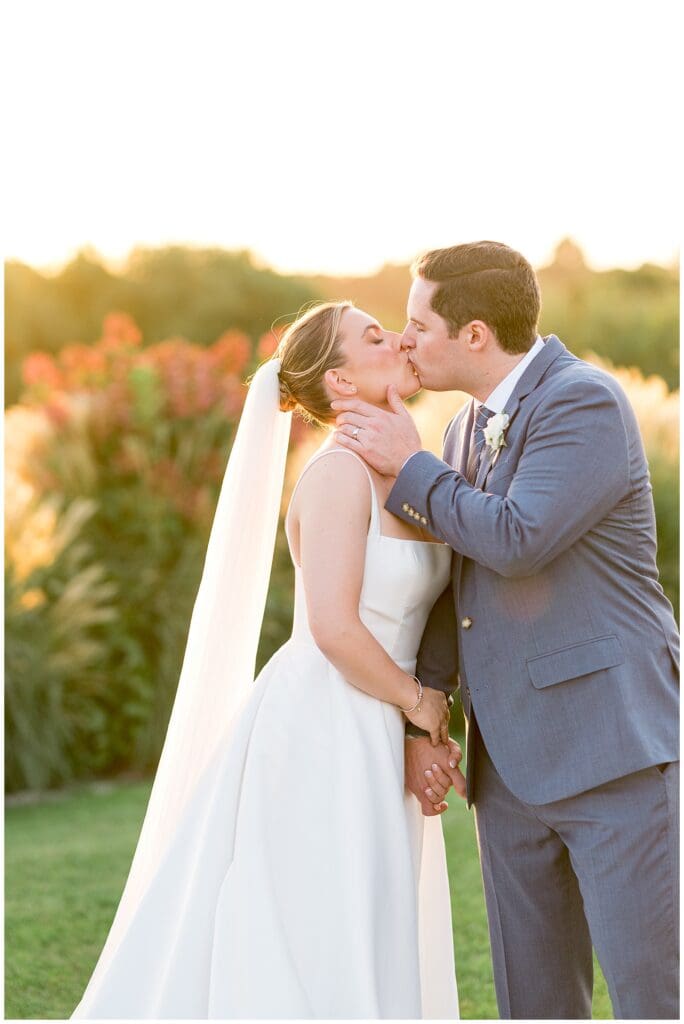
(374, 528)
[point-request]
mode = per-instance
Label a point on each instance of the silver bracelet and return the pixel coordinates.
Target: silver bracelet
(419, 690)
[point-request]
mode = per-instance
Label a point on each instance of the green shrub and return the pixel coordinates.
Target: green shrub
(57, 621)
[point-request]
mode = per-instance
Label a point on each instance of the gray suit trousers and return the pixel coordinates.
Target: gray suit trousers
(599, 868)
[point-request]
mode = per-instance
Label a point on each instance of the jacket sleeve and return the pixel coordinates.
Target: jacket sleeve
(574, 468)
(437, 662)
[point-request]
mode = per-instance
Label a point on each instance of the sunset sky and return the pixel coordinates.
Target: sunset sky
(336, 136)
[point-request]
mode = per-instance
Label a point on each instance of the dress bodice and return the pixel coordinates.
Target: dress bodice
(402, 580)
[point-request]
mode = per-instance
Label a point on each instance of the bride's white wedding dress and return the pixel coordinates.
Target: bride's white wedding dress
(317, 888)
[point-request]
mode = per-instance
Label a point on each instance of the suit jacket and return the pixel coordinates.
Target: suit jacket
(555, 624)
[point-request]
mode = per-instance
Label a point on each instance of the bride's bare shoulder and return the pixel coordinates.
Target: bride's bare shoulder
(331, 499)
(334, 475)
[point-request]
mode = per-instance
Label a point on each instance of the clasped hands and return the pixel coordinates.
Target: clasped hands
(431, 770)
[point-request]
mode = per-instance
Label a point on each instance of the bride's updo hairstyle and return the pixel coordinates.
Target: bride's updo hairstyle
(310, 346)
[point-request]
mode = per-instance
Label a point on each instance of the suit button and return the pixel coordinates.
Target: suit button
(405, 507)
(466, 622)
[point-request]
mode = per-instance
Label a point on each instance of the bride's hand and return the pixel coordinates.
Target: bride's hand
(433, 715)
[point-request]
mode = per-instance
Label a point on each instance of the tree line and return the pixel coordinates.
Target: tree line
(627, 316)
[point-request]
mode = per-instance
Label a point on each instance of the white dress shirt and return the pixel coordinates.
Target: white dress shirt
(503, 391)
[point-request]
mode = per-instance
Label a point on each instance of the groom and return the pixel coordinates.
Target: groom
(556, 628)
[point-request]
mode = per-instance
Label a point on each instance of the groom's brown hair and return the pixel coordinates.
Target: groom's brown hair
(484, 281)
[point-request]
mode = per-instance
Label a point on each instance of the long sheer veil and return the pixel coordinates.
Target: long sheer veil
(219, 661)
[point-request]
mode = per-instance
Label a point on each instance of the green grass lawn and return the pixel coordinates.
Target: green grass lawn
(66, 860)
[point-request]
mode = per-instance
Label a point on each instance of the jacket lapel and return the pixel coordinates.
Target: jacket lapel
(464, 439)
(460, 463)
(553, 348)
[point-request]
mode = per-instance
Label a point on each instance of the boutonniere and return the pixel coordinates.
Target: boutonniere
(494, 430)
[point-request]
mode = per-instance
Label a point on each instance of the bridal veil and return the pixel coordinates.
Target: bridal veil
(219, 661)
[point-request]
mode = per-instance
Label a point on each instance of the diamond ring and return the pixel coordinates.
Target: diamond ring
(355, 433)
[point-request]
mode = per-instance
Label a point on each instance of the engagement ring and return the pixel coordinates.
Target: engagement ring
(355, 433)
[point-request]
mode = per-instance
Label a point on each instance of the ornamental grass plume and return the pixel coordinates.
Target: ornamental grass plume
(656, 408)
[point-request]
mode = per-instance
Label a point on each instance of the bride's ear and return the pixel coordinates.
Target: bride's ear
(338, 384)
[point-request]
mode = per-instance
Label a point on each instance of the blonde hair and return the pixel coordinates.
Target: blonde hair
(310, 346)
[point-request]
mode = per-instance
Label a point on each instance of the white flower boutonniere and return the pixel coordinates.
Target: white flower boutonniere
(494, 430)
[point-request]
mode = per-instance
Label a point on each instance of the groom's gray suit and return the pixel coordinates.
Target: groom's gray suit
(567, 654)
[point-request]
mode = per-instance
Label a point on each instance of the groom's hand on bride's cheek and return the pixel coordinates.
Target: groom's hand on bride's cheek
(384, 438)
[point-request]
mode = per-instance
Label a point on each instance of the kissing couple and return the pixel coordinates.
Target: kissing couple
(291, 863)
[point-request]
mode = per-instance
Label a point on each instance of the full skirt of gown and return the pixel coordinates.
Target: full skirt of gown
(318, 888)
(303, 880)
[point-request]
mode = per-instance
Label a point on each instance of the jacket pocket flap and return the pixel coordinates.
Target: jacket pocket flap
(575, 660)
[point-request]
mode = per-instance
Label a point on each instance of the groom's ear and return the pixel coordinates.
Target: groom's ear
(477, 335)
(340, 385)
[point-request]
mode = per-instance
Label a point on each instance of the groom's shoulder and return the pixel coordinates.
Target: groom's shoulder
(575, 384)
(577, 376)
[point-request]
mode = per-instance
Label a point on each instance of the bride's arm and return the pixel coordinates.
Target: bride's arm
(334, 511)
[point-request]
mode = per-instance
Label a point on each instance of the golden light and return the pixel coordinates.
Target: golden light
(336, 137)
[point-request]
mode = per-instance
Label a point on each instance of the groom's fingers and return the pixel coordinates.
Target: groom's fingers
(349, 442)
(353, 405)
(394, 400)
(454, 753)
(458, 781)
(353, 433)
(352, 419)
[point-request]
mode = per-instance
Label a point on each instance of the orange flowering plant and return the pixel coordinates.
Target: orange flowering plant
(139, 437)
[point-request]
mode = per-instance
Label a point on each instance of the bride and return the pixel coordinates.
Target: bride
(283, 870)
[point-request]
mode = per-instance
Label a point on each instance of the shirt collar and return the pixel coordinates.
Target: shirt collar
(503, 391)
